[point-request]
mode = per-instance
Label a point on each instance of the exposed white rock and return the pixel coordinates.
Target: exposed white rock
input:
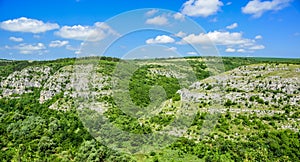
(20, 82)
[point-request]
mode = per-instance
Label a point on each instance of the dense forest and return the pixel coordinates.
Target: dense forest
(31, 131)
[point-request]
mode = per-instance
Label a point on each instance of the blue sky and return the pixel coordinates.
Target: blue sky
(51, 29)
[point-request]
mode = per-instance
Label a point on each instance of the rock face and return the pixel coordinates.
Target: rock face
(57, 83)
(75, 81)
(25, 81)
(272, 84)
(72, 81)
(260, 86)
(263, 89)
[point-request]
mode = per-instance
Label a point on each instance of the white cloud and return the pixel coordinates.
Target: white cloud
(30, 48)
(258, 37)
(241, 50)
(201, 8)
(223, 38)
(71, 48)
(257, 8)
(96, 32)
(191, 53)
(218, 38)
(230, 50)
(180, 34)
(15, 39)
(24, 24)
(257, 47)
(173, 49)
(232, 26)
(151, 12)
(179, 16)
(158, 20)
(160, 39)
(77, 50)
(228, 3)
(58, 43)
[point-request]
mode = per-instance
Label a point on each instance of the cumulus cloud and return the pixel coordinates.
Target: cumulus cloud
(58, 43)
(173, 49)
(76, 49)
(191, 53)
(24, 24)
(258, 37)
(30, 48)
(178, 16)
(15, 39)
(203, 8)
(160, 39)
(96, 32)
(218, 38)
(151, 12)
(225, 38)
(230, 50)
(241, 50)
(228, 3)
(257, 7)
(158, 20)
(257, 47)
(180, 34)
(71, 48)
(232, 26)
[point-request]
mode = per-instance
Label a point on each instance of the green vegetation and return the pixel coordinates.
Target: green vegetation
(33, 131)
(142, 81)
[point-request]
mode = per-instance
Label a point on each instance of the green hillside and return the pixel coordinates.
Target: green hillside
(175, 109)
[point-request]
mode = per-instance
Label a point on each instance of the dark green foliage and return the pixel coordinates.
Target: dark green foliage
(229, 103)
(199, 69)
(209, 87)
(257, 99)
(31, 131)
(233, 90)
(142, 82)
(106, 67)
(126, 122)
(176, 97)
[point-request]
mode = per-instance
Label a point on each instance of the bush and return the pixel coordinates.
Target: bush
(229, 103)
